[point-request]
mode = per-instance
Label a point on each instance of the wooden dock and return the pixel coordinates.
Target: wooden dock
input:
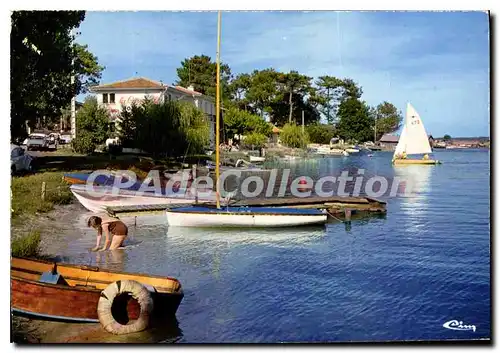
(334, 205)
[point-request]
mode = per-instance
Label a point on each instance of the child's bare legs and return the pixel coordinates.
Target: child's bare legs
(117, 241)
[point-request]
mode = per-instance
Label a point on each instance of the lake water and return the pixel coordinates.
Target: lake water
(395, 278)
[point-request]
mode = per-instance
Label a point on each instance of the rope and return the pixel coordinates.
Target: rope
(338, 219)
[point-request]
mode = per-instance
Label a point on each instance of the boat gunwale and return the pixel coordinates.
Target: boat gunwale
(57, 286)
(97, 269)
(173, 210)
(158, 289)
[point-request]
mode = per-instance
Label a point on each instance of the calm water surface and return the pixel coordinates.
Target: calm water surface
(396, 278)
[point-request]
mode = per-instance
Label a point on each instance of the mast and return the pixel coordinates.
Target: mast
(217, 114)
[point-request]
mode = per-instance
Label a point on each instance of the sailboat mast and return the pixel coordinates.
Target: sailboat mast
(217, 114)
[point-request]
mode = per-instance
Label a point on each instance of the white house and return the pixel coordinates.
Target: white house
(121, 94)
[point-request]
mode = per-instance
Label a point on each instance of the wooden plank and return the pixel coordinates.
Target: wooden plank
(293, 201)
(310, 202)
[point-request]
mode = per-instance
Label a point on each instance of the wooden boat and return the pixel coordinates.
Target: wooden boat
(104, 197)
(202, 216)
(413, 141)
(73, 292)
(329, 151)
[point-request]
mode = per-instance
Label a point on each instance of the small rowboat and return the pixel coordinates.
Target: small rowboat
(200, 216)
(72, 293)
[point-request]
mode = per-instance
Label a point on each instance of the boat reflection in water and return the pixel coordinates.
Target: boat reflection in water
(276, 237)
(414, 201)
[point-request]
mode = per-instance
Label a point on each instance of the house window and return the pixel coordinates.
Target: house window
(169, 97)
(112, 98)
(105, 98)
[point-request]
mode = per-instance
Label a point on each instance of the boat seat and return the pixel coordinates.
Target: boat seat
(52, 278)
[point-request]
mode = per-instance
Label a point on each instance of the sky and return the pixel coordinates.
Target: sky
(437, 61)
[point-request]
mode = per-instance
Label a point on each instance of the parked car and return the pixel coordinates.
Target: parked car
(65, 139)
(37, 142)
(53, 140)
(19, 160)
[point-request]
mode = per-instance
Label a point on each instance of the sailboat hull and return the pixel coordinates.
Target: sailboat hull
(416, 161)
(234, 218)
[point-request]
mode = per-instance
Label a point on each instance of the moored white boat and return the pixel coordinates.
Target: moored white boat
(202, 216)
(352, 150)
(328, 151)
(255, 159)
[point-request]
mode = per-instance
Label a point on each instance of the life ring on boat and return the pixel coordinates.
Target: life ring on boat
(138, 292)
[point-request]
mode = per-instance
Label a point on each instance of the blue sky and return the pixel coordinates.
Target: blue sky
(438, 61)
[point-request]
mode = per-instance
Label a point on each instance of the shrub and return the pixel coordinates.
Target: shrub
(320, 133)
(239, 122)
(254, 140)
(83, 143)
(292, 136)
(92, 127)
(26, 246)
(195, 126)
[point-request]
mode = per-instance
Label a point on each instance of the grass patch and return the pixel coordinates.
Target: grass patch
(26, 246)
(27, 190)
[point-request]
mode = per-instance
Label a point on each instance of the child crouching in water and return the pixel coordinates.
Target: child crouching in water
(115, 231)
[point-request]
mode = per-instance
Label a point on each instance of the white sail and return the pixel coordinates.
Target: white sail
(413, 139)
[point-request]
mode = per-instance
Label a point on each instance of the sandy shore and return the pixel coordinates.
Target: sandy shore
(54, 227)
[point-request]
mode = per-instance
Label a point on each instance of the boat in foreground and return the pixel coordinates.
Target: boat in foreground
(413, 141)
(202, 216)
(72, 293)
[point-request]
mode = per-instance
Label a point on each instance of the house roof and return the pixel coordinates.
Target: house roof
(185, 90)
(389, 138)
(276, 130)
(132, 83)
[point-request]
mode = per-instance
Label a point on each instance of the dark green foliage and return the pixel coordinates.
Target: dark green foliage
(238, 122)
(165, 129)
(388, 118)
(92, 126)
(320, 133)
(201, 72)
(447, 137)
(42, 55)
(355, 124)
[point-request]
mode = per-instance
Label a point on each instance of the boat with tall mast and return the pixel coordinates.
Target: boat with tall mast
(413, 141)
(209, 216)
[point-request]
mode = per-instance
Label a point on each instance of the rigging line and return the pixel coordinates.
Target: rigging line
(338, 41)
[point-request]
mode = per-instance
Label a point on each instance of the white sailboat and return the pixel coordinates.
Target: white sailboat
(201, 216)
(413, 140)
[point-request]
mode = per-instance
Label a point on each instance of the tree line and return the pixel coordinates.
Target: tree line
(284, 97)
(44, 57)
